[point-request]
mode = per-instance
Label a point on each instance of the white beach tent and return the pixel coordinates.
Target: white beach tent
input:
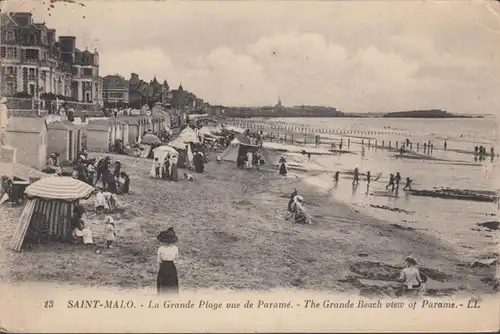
(180, 145)
(160, 153)
(188, 135)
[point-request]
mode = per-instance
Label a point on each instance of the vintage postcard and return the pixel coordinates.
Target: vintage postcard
(249, 166)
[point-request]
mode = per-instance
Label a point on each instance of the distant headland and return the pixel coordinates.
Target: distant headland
(322, 111)
(319, 111)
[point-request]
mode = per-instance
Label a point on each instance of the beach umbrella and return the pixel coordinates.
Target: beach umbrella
(59, 187)
(150, 139)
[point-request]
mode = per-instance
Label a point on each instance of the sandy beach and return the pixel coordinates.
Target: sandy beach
(233, 235)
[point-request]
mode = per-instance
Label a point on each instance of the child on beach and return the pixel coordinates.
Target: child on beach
(188, 177)
(336, 177)
(218, 158)
(391, 182)
(412, 281)
(157, 168)
(408, 184)
(109, 229)
(368, 178)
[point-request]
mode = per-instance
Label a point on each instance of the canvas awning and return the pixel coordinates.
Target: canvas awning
(59, 187)
(167, 149)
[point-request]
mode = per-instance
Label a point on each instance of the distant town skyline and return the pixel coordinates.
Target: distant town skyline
(357, 56)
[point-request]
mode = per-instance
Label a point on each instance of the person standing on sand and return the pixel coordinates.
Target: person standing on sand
(157, 168)
(391, 182)
(368, 178)
(336, 177)
(283, 169)
(126, 182)
(355, 180)
(174, 176)
(397, 180)
(166, 167)
(445, 145)
(116, 172)
(109, 229)
(167, 281)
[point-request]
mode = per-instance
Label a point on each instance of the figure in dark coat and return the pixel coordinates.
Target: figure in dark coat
(198, 163)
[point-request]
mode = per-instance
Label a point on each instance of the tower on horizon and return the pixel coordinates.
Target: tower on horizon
(279, 104)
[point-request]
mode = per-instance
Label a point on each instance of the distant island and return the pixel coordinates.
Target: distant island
(432, 113)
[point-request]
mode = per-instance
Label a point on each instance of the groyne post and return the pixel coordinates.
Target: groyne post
(390, 144)
(418, 146)
(376, 144)
(397, 144)
(285, 137)
(292, 139)
(383, 144)
(369, 144)
(348, 142)
(305, 139)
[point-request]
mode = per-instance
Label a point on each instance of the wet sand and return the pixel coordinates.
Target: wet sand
(233, 235)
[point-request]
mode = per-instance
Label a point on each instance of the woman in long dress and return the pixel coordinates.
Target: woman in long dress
(283, 167)
(167, 281)
(173, 168)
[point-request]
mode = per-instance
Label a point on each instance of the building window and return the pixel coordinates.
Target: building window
(9, 89)
(74, 70)
(11, 52)
(10, 36)
(87, 72)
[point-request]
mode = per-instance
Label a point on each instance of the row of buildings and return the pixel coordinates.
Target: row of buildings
(36, 64)
(135, 92)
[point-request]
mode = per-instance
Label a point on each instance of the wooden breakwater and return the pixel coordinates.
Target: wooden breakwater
(295, 127)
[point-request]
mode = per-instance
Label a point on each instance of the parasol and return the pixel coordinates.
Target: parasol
(59, 187)
(150, 139)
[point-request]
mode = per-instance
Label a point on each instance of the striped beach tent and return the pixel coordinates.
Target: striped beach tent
(48, 212)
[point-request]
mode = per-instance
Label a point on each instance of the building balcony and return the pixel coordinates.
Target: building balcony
(31, 61)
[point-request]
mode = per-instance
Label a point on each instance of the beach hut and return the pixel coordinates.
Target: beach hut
(160, 153)
(29, 136)
(48, 212)
(100, 135)
(65, 139)
(238, 147)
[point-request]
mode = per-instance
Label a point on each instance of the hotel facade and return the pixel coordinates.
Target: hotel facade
(34, 63)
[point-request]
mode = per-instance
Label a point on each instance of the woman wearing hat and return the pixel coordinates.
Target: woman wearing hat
(410, 277)
(167, 280)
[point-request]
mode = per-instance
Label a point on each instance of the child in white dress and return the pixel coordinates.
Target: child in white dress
(109, 229)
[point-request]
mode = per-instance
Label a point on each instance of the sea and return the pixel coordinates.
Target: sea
(453, 221)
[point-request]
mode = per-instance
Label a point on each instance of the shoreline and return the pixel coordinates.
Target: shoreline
(253, 234)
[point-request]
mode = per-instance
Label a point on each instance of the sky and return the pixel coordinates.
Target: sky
(357, 56)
